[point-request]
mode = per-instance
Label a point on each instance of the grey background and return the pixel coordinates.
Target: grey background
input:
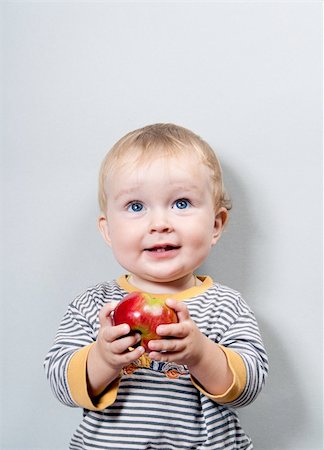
(246, 76)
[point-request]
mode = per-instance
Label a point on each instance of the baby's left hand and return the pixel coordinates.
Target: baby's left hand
(183, 343)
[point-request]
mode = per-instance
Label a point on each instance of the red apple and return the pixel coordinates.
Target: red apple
(143, 313)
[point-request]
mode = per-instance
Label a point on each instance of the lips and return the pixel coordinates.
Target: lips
(162, 248)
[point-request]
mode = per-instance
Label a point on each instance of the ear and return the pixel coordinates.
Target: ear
(219, 224)
(104, 230)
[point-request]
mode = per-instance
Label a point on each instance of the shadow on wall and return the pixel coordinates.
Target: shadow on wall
(275, 420)
(231, 260)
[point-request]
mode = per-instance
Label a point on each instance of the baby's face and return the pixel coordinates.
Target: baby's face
(160, 218)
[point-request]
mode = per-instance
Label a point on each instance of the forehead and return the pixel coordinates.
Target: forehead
(178, 164)
(176, 172)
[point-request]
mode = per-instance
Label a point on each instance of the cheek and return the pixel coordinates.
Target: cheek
(199, 245)
(201, 232)
(122, 235)
(202, 242)
(122, 247)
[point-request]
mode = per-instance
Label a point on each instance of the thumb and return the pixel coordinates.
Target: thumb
(105, 313)
(180, 308)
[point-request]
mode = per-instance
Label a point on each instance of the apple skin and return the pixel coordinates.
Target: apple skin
(143, 313)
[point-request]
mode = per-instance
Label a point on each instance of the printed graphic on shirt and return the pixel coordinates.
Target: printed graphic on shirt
(171, 370)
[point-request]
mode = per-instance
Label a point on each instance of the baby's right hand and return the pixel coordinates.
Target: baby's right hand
(109, 354)
(113, 342)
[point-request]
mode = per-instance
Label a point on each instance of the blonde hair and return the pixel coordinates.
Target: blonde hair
(162, 139)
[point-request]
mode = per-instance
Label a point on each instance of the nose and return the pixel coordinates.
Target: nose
(160, 222)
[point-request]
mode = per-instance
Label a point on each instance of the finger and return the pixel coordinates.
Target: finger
(180, 308)
(170, 329)
(104, 313)
(164, 357)
(112, 333)
(174, 357)
(166, 345)
(173, 329)
(122, 345)
(132, 355)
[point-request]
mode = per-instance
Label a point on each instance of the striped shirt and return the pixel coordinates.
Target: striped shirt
(155, 405)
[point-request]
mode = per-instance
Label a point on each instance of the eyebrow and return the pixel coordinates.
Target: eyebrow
(176, 187)
(125, 192)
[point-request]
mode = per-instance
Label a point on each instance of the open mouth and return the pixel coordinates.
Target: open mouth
(162, 248)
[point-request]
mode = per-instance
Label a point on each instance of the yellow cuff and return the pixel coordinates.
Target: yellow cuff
(77, 381)
(237, 367)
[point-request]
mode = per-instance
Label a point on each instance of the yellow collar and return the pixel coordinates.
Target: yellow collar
(188, 293)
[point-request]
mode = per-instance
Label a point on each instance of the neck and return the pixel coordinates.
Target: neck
(170, 287)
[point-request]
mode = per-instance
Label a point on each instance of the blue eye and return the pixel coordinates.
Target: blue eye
(182, 203)
(135, 207)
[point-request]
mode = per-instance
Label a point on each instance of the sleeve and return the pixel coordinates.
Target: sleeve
(242, 338)
(77, 382)
(65, 363)
(237, 367)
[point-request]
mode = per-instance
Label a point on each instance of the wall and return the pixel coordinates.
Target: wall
(244, 75)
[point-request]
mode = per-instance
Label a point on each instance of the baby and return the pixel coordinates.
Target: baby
(163, 207)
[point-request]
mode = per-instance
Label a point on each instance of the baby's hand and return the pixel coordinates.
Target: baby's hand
(183, 343)
(113, 342)
(109, 354)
